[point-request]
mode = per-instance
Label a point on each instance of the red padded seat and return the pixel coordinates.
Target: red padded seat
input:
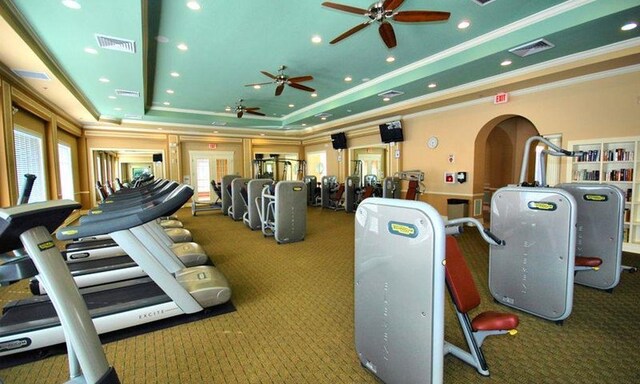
(592, 262)
(494, 321)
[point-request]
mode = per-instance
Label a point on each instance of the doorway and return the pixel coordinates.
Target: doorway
(499, 148)
(206, 166)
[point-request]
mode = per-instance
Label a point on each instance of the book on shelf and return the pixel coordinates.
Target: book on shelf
(590, 155)
(619, 154)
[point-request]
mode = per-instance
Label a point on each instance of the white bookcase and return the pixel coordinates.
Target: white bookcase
(612, 161)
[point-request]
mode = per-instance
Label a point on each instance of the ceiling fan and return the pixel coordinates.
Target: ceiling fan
(281, 79)
(241, 110)
(380, 11)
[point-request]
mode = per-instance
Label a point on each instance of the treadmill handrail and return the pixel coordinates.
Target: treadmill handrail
(174, 201)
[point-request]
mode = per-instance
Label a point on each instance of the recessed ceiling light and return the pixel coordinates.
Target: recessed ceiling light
(323, 118)
(112, 97)
(505, 63)
(432, 85)
(262, 134)
(193, 5)
(170, 91)
(257, 86)
(159, 129)
(162, 39)
(117, 109)
(215, 131)
(183, 47)
(364, 80)
(348, 110)
(386, 99)
(103, 80)
(391, 59)
(175, 74)
(71, 4)
(291, 105)
(464, 24)
(304, 124)
(166, 103)
(348, 78)
(316, 39)
(227, 109)
(314, 95)
(90, 50)
(629, 26)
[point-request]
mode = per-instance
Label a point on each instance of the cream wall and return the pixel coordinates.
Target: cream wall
(606, 107)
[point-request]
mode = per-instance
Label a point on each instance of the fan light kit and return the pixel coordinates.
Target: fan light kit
(241, 110)
(381, 11)
(281, 80)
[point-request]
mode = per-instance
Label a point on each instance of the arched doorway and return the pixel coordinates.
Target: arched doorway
(499, 148)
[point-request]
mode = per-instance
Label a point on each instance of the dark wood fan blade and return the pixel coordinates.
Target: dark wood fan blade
(239, 114)
(420, 16)
(387, 34)
(247, 109)
(346, 8)
(302, 87)
(268, 74)
(350, 32)
(251, 85)
(279, 89)
(255, 113)
(300, 79)
(390, 5)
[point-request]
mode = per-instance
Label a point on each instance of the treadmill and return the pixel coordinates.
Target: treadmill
(29, 226)
(168, 291)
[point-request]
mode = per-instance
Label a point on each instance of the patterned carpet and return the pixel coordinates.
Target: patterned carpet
(294, 321)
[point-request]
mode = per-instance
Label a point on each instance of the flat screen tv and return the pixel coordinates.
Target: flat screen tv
(391, 132)
(339, 140)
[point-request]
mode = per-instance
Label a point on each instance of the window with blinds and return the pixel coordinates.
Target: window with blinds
(30, 159)
(65, 163)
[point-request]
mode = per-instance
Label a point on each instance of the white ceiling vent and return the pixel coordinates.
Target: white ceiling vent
(531, 48)
(219, 123)
(116, 44)
(483, 2)
(390, 94)
(323, 114)
(124, 92)
(133, 117)
(31, 74)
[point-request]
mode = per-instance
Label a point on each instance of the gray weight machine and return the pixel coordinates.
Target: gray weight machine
(331, 193)
(352, 193)
(254, 197)
(534, 271)
(313, 197)
(283, 211)
(238, 198)
(225, 187)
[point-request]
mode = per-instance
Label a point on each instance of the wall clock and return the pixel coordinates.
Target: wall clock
(432, 142)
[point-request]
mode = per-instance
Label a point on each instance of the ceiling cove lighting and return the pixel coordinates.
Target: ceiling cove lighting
(193, 5)
(464, 24)
(505, 63)
(71, 4)
(182, 47)
(629, 26)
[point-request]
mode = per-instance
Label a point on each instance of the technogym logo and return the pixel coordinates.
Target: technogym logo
(402, 229)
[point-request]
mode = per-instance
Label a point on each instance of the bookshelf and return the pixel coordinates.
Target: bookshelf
(612, 161)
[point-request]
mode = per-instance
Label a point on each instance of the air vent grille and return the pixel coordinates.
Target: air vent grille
(126, 93)
(133, 117)
(531, 48)
(31, 74)
(219, 123)
(483, 2)
(323, 114)
(390, 94)
(116, 44)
